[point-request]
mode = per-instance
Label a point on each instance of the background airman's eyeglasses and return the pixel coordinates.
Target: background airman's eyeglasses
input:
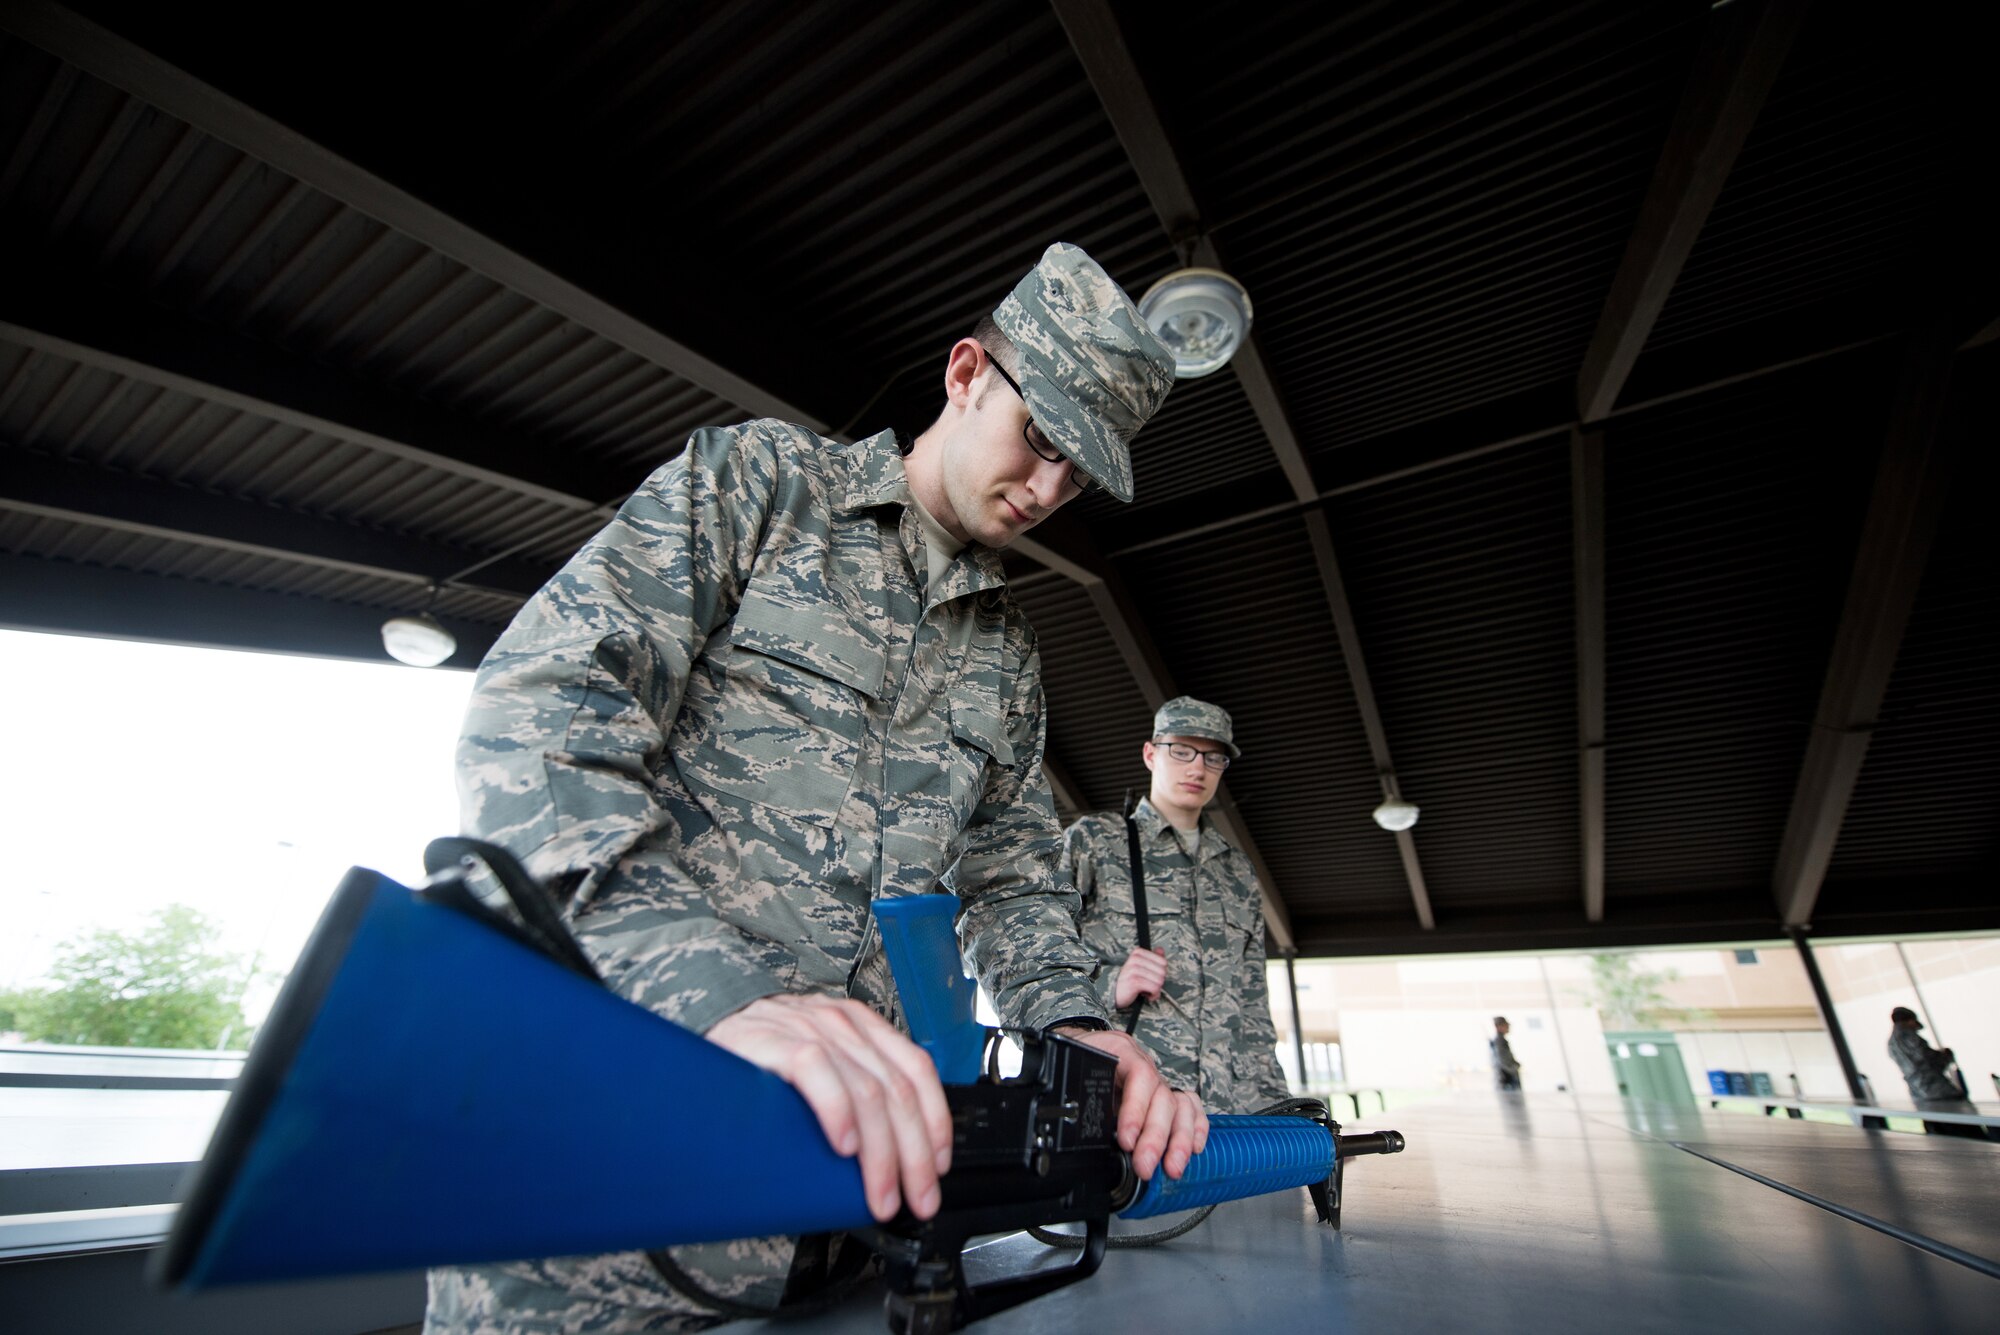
(1184, 753)
(1038, 442)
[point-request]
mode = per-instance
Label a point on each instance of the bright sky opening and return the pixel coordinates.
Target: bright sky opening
(241, 784)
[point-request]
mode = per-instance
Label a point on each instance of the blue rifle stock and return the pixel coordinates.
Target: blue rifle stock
(438, 1084)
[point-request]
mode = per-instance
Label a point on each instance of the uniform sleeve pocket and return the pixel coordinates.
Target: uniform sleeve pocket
(979, 728)
(977, 741)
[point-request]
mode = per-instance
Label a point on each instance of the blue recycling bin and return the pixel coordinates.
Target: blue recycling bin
(1718, 1082)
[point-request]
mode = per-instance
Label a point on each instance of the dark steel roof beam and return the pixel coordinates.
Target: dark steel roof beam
(1064, 546)
(65, 598)
(1725, 914)
(1068, 792)
(1522, 419)
(47, 107)
(1740, 56)
(1107, 62)
(79, 321)
(60, 489)
(130, 65)
(1910, 490)
(1586, 455)
(1335, 586)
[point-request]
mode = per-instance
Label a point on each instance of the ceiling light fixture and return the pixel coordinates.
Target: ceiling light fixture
(1202, 315)
(419, 640)
(1396, 815)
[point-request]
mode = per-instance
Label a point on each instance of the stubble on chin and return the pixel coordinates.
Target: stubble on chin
(1008, 524)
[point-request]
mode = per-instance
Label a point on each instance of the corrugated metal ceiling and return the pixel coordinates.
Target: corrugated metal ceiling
(1427, 202)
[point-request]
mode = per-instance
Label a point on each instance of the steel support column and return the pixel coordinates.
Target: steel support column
(1930, 1016)
(1911, 484)
(1586, 453)
(1555, 1019)
(1824, 1000)
(1298, 1020)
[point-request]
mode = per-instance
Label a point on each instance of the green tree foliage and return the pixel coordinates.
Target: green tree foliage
(167, 986)
(1625, 994)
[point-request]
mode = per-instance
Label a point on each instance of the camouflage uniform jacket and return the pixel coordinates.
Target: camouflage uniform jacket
(1210, 1029)
(736, 717)
(1923, 1066)
(740, 716)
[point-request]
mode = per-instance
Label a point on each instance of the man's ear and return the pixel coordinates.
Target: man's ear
(1146, 754)
(961, 368)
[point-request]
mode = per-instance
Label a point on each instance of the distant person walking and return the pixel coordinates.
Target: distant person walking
(1506, 1071)
(1927, 1071)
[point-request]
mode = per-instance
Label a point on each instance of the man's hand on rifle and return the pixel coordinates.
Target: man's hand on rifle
(876, 1093)
(1156, 1122)
(1143, 974)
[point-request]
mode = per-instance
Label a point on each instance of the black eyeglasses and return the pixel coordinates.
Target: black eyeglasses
(1182, 752)
(1038, 442)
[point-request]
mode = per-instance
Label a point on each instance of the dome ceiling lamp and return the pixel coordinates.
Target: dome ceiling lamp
(419, 640)
(1202, 315)
(1396, 814)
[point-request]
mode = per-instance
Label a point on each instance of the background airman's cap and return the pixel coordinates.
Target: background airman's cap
(1185, 716)
(1091, 371)
(1902, 1013)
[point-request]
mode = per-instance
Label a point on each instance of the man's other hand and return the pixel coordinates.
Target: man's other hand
(1143, 974)
(876, 1093)
(1156, 1123)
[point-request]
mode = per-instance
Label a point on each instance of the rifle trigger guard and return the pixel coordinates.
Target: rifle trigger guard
(930, 1295)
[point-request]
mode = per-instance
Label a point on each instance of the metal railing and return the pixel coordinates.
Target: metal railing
(114, 1068)
(1353, 1097)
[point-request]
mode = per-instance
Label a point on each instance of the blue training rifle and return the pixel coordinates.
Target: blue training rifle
(442, 1083)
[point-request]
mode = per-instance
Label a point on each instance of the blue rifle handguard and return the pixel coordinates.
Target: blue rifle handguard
(1246, 1156)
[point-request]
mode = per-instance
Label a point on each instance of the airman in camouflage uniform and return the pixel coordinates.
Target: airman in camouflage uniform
(1206, 1012)
(786, 680)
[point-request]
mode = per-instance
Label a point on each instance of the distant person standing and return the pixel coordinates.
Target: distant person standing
(1506, 1071)
(1927, 1071)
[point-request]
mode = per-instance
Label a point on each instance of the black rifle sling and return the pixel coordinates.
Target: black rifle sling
(1140, 922)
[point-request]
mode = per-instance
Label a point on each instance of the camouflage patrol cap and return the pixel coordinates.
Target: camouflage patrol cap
(1185, 716)
(1091, 371)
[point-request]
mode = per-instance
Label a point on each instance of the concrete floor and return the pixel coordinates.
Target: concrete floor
(1548, 1213)
(1541, 1213)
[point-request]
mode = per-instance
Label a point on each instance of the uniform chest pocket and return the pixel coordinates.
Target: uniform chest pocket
(778, 716)
(1242, 907)
(1165, 886)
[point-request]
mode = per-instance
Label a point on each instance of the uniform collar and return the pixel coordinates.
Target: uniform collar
(874, 474)
(875, 477)
(1152, 824)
